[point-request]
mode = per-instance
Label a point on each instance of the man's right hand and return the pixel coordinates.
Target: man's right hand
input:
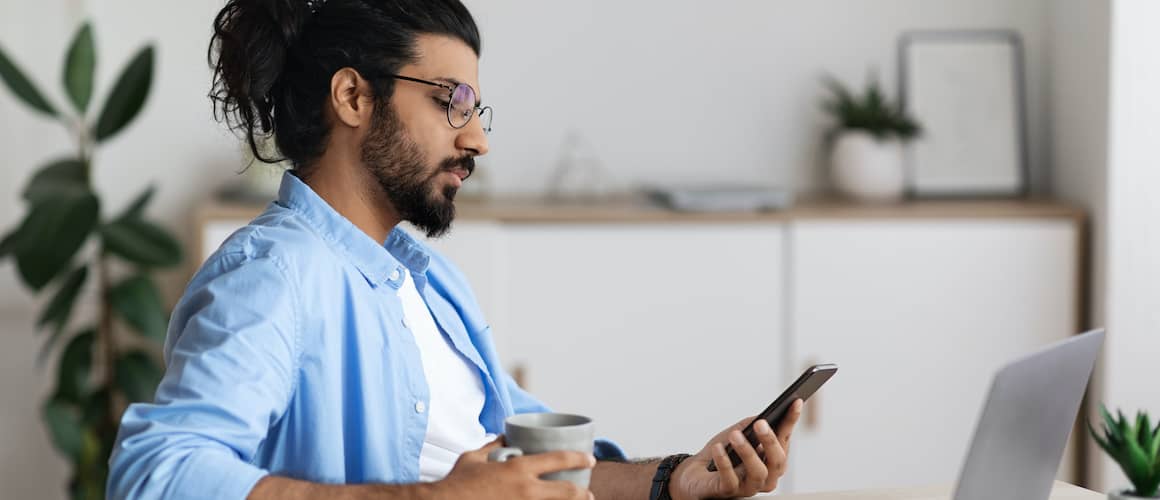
(519, 477)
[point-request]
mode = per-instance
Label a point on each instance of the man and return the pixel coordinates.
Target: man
(321, 352)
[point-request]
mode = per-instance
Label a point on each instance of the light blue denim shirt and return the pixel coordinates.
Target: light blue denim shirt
(288, 355)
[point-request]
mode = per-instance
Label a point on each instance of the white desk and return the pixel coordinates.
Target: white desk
(1062, 491)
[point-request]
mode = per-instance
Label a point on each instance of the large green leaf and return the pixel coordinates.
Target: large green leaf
(96, 407)
(8, 243)
(128, 95)
(51, 235)
(91, 467)
(60, 307)
(64, 425)
(75, 369)
(79, 64)
(141, 242)
(137, 208)
(64, 178)
(22, 87)
(137, 376)
(137, 301)
(46, 347)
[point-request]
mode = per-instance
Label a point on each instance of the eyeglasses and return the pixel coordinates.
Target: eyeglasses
(460, 104)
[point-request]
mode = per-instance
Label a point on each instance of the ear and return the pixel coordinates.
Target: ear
(350, 98)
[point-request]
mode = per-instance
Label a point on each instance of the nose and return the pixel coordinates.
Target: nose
(471, 138)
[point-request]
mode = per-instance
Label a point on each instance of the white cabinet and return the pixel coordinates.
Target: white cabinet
(918, 314)
(666, 328)
(662, 333)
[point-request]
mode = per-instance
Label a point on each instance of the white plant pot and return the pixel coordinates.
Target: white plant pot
(868, 169)
(1123, 495)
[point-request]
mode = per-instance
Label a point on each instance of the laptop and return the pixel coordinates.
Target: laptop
(1029, 414)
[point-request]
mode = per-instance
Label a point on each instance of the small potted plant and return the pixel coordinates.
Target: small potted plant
(866, 142)
(1136, 447)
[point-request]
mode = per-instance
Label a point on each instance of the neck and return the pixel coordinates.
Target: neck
(347, 187)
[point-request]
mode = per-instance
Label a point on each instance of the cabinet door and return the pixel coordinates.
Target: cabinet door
(918, 315)
(663, 333)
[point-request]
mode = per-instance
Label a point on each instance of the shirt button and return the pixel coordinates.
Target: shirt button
(404, 322)
(420, 407)
(395, 274)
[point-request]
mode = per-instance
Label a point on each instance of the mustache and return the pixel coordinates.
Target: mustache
(467, 163)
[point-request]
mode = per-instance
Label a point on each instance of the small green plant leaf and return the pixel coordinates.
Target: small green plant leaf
(64, 426)
(79, 64)
(50, 236)
(22, 86)
(138, 376)
(1154, 450)
(8, 243)
(96, 407)
(128, 96)
(137, 301)
(136, 208)
(92, 471)
(75, 368)
(60, 307)
(141, 242)
(1100, 440)
(1134, 445)
(870, 111)
(64, 178)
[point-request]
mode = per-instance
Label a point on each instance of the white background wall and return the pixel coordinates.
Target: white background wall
(666, 92)
(1133, 233)
(1103, 109)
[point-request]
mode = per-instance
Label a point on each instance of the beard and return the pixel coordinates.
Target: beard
(396, 162)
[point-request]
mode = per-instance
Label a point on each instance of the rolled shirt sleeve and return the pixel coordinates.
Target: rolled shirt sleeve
(232, 352)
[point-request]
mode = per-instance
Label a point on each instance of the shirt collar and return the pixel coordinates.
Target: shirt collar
(378, 263)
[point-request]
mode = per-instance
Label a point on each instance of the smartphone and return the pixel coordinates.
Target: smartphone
(805, 386)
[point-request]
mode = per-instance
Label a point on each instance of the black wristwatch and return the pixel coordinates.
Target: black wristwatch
(660, 484)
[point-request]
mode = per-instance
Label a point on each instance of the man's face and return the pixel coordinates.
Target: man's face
(418, 159)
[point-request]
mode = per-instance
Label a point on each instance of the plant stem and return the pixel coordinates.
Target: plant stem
(105, 337)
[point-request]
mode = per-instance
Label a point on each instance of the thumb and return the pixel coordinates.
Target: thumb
(487, 448)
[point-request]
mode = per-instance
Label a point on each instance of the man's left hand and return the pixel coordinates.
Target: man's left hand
(693, 480)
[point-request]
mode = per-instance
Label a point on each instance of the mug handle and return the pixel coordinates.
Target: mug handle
(503, 454)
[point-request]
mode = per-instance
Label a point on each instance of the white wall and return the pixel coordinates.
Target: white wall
(686, 90)
(1078, 136)
(1103, 109)
(1133, 209)
(665, 91)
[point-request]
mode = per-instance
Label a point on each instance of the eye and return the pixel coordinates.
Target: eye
(442, 104)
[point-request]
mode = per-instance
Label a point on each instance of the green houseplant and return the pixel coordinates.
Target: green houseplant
(866, 141)
(65, 241)
(1135, 446)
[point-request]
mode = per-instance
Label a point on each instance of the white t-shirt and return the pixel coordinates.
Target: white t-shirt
(456, 391)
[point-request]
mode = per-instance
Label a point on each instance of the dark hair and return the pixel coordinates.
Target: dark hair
(273, 61)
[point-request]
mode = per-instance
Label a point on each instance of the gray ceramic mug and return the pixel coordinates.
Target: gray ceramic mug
(531, 433)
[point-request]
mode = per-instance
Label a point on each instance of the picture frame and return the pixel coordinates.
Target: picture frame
(966, 89)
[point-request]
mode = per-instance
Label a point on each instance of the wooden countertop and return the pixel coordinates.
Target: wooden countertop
(629, 210)
(1061, 491)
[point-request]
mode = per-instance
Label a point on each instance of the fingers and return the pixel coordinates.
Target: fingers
(786, 427)
(775, 455)
(727, 477)
(480, 455)
(555, 461)
(566, 491)
(755, 471)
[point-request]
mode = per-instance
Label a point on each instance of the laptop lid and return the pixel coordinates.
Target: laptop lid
(1020, 437)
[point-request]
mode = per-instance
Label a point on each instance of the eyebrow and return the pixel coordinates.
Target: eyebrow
(454, 82)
